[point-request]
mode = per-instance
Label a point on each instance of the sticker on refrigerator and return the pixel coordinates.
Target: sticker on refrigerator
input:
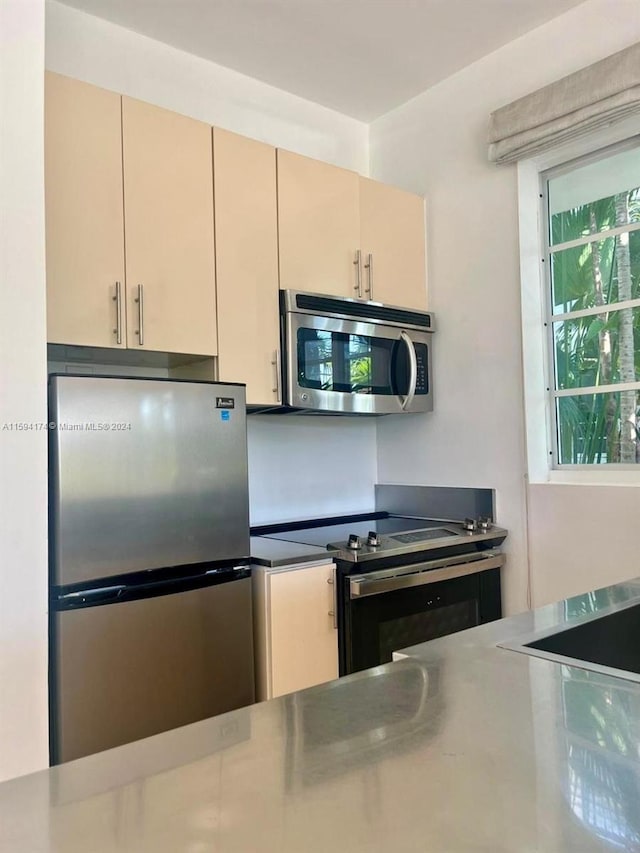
(225, 415)
(225, 403)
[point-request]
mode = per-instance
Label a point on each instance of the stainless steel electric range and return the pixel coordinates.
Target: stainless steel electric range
(402, 581)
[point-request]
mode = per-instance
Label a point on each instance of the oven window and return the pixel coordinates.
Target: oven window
(405, 631)
(356, 364)
(375, 626)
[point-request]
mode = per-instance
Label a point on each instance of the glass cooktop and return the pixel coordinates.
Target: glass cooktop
(322, 536)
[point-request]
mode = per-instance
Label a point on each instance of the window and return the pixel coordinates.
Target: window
(592, 227)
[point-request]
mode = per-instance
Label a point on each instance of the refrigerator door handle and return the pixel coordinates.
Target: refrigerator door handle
(97, 594)
(119, 593)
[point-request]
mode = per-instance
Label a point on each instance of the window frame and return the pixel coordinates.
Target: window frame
(537, 338)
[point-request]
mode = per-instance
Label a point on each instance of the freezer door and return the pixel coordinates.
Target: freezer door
(126, 671)
(145, 474)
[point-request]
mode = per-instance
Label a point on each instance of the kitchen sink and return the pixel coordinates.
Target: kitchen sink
(609, 644)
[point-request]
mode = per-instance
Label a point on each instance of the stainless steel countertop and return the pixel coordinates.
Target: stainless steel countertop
(462, 746)
(276, 553)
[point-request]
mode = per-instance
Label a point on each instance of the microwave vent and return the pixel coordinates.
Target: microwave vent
(368, 310)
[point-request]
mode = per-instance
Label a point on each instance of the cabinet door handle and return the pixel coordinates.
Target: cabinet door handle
(118, 300)
(358, 265)
(332, 582)
(369, 268)
(275, 361)
(140, 301)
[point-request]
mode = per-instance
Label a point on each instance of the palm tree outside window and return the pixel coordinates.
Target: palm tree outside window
(593, 315)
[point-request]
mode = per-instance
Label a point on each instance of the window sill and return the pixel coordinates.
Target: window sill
(590, 477)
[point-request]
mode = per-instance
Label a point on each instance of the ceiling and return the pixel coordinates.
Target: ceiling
(360, 57)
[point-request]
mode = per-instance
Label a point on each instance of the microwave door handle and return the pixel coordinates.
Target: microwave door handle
(405, 402)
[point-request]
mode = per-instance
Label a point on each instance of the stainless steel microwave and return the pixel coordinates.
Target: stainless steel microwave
(348, 356)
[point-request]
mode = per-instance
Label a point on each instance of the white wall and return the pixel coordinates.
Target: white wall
(98, 52)
(306, 465)
(286, 479)
(583, 537)
(23, 454)
(436, 144)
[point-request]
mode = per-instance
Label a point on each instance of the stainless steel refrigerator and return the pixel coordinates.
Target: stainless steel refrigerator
(150, 607)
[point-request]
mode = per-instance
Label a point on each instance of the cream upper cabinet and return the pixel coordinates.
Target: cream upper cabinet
(345, 235)
(84, 220)
(319, 226)
(168, 208)
(246, 229)
(295, 634)
(131, 249)
(393, 245)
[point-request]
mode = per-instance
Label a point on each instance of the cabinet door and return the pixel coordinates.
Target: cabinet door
(246, 264)
(319, 226)
(84, 222)
(304, 642)
(392, 232)
(168, 207)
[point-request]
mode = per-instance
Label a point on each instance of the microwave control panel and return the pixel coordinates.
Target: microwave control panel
(422, 385)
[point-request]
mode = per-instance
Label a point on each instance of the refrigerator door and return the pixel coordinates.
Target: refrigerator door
(145, 474)
(121, 672)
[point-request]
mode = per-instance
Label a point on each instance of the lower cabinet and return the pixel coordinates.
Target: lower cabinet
(296, 639)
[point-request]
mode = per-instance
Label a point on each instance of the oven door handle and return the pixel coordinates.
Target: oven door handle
(413, 372)
(421, 574)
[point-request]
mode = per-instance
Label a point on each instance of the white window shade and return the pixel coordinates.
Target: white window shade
(595, 96)
(597, 180)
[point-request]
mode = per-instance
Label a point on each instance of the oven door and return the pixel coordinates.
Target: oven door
(392, 609)
(341, 365)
